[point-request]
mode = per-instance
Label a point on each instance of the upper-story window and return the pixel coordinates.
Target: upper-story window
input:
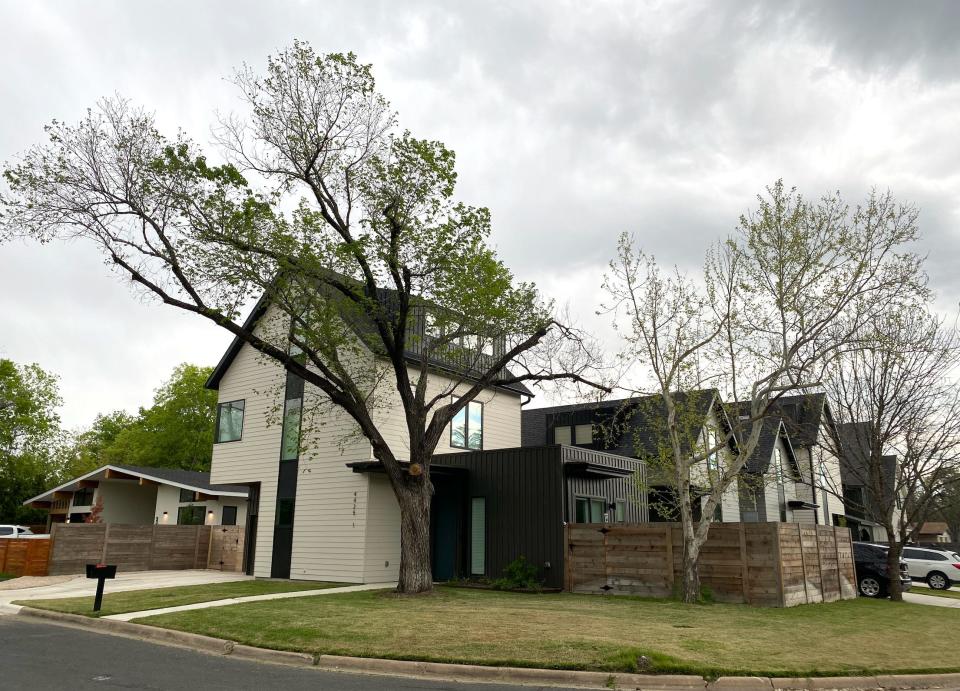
(292, 414)
(466, 428)
(581, 435)
(83, 497)
(187, 496)
(781, 492)
(712, 454)
(229, 421)
(562, 435)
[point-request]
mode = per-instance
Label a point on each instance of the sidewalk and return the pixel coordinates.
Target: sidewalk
(127, 616)
(79, 586)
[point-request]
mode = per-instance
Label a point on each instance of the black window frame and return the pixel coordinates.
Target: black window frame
(590, 499)
(83, 491)
(189, 493)
(223, 515)
(194, 508)
(466, 427)
(216, 427)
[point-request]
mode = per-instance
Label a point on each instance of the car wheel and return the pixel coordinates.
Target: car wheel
(938, 581)
(870, 587)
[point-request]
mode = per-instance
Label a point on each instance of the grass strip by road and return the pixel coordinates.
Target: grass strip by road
(156, 598)
(6, 576)
(566, 631)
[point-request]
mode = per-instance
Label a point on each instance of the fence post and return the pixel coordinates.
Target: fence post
(671, 577)
(803, 564)
(823, 588)
(744, 570)
(567, 585)
(106, 540)
(779, 564)
(836, 550)
(196, 546)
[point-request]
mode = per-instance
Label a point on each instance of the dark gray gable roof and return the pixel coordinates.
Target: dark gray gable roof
(772, 428)
(364, 331)
(855, 439)
(633, 426)
(803, 415)
(191, 478)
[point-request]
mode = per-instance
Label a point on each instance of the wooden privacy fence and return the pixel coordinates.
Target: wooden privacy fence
(769, 564)
(24, 557)
(145, 547)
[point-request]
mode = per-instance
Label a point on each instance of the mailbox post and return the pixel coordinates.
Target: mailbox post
(101, 572)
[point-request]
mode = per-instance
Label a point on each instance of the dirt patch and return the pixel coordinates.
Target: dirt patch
(33, 582)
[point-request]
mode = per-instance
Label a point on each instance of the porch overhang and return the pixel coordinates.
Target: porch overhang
(594, 470)
(377, 467)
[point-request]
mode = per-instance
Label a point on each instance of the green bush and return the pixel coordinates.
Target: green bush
(518, 575)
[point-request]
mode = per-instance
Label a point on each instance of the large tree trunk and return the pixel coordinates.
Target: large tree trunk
(690, 585)
(416, 576)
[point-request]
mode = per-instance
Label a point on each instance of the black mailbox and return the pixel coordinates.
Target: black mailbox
(101, 572)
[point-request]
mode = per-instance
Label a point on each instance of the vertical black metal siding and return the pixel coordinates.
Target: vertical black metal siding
(610, 489)
(524, 506)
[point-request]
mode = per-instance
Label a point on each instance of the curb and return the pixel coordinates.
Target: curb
(480, 673)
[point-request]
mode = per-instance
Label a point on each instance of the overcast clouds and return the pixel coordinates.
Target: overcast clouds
(571, 121)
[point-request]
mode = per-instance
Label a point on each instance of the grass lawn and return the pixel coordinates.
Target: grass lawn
(6, 576)
(137, 600)
(594, 632)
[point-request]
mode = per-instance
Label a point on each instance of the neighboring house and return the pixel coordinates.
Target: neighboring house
(810, 426)
(771, 485)
(863, 492)
(135, 495)
(637, 427)
(319, 508)
(934, 531)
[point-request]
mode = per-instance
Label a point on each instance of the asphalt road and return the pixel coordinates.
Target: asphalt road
(47, 656)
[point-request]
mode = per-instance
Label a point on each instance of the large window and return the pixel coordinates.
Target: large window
(478, 536)
(466, 428)
(229, 421)
(590, 510)
(83, 497)
(191, 515)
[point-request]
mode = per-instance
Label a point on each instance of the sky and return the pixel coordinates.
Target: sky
(572, 122)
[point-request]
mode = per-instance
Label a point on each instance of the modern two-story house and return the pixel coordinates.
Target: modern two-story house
(321, 507)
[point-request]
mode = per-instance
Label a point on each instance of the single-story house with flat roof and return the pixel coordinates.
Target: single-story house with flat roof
(135, 495)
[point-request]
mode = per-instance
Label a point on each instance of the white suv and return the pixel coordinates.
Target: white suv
(939, 569)
(14, 531)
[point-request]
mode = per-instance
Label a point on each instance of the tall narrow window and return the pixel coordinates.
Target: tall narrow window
(466, 428)
(478, 536)
(229, 421)
(621, 510)
(781, 492)
(292, 409)
(712, 464)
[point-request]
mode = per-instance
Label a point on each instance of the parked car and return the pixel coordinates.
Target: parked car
(20, 531)
(873, 579)
(939, 569)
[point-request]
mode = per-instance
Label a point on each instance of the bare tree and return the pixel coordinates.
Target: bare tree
(377, 287)
(774, 305)
(897, 406)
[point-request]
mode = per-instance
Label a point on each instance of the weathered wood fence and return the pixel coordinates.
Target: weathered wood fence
(768, 564)
(24, 557)
(145, 548)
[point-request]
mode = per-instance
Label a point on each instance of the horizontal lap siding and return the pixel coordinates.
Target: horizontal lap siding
(255, 458)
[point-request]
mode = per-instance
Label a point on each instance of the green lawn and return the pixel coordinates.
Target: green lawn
(594, 632)
(138, 600)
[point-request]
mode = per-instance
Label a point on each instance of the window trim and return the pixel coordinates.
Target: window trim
(466, 426)
(216, 427)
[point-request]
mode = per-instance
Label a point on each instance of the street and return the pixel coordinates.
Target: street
(42, 656)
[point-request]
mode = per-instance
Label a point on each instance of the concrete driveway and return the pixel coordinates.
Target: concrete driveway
(917, 597)
(79, 586)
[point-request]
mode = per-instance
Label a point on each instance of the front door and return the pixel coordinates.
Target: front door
(445, 533)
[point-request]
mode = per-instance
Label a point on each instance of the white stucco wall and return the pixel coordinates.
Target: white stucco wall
(126, 501)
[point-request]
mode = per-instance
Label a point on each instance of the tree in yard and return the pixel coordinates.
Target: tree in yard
(776, 302)
(30, 435)
(897, 405)
(373, 277)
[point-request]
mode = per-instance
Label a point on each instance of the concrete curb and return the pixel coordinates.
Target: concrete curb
(480, 673)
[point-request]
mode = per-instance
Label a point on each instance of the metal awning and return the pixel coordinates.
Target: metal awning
(595, 470)
(798, 504)
(377, 467)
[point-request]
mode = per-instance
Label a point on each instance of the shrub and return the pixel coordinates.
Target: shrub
(518, 575)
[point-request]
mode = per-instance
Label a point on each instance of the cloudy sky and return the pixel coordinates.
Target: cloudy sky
(572, 121)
